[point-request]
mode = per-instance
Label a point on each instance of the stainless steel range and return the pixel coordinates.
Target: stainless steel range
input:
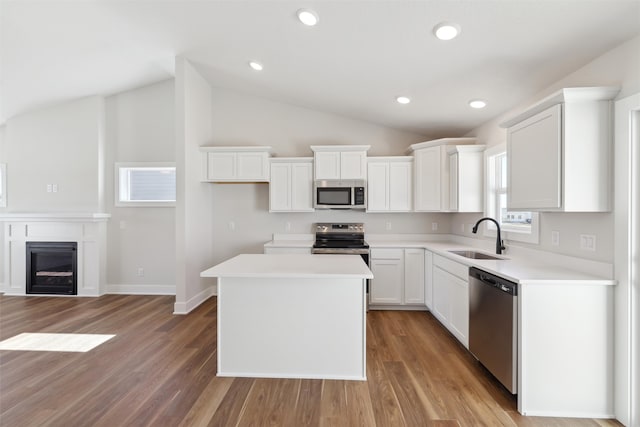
(345, 238)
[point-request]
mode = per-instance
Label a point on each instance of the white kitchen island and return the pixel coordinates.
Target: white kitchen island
(292, 316)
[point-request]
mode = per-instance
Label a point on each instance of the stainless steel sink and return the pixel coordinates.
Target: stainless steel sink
(474, 255)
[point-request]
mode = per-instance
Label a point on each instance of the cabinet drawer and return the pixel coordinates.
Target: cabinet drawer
(386, 253)
(457, 269)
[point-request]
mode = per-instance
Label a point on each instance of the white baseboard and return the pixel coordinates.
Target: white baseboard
(141, 289)
(195, 301)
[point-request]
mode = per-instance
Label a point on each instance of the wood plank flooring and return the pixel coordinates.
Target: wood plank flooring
(160, 369)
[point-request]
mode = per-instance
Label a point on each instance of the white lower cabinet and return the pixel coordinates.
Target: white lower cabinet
(398, 278)
(451, 297)
(428, 279)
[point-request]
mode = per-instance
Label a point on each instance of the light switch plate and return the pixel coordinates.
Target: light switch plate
(588, 242)
(555, 238)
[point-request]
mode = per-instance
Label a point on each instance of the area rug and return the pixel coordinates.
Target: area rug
(54, 342)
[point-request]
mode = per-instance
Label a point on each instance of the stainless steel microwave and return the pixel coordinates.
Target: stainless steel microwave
(340, 194)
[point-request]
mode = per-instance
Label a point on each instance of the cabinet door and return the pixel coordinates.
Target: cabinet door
(327, 165)
(252, 166)
(400, 186)
(280, 187)
(414, 276)
(459, 308)
(353, 165)
(378, 187)
(386, 285)
(301, 187)
(428, 279)
(428, 179)
(469, 182)
(441, 296)
(534, 149)
(453, 182)
(221, 166)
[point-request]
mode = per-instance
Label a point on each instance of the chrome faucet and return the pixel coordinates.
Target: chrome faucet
(499, 243)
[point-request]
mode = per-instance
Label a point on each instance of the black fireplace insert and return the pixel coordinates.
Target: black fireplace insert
(52, 268)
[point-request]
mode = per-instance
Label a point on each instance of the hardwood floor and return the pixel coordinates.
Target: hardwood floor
(160, 369)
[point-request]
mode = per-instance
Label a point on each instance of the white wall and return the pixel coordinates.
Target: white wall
(193, 117)
(2, 160)
(240, 119)
(140, 128)
(61, 145)
(618, 67)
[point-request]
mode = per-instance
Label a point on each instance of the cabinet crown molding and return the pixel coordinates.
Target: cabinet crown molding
(254, 148)
(316, 148)
(465, 148)
(390, 159)
(439, 142)
(569, 94)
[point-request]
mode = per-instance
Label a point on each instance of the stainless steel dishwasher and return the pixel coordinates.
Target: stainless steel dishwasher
(493, 325)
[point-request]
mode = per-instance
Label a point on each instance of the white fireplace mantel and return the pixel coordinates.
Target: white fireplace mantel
(88, 230)
(57, 216)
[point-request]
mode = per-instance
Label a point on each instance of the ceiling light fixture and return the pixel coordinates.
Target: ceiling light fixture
(308, 17)
(403, 100)
(477, 103)
(255, 65)
(446, 30)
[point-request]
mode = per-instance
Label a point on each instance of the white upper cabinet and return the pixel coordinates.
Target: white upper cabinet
(559, 152)
(340, 161)
(432, 173)
(235, 164)
(291, 186)
(466, 178)
(389, 184)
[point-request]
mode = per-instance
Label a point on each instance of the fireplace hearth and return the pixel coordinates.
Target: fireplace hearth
(52, 268)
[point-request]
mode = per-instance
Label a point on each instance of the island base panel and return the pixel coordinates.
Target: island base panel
(291, 328)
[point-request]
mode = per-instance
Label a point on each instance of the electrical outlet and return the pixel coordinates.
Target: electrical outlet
(140, 272)
(434, 226)
(49, 188)
(388, 225)
(462, 228)
(54, 188)
(287, 226)
(232, 225)
(555, 238)
(588, 242)
(123, 225)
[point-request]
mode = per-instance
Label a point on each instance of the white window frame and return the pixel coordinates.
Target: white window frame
(3, 185)
(508, 232)
(139, 203)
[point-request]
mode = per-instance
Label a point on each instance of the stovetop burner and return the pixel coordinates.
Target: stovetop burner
(340, 238)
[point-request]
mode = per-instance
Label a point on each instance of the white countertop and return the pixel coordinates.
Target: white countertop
(511, 267)
(291, 266)
(519, 268)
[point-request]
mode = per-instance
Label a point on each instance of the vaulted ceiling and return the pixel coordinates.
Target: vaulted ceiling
(355, 62)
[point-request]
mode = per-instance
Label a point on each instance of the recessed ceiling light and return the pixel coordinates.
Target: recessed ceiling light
(477, 103)
(403, 100)
(256, 65)
(308, 17)
(446, 30)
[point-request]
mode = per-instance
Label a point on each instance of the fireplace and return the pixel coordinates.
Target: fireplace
(52, 268)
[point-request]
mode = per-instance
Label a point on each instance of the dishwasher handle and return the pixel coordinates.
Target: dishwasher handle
(497, 282)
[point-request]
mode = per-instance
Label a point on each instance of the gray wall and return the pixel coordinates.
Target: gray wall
(240, 119)
(618, 67)
(140, 128)
(61, 145)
